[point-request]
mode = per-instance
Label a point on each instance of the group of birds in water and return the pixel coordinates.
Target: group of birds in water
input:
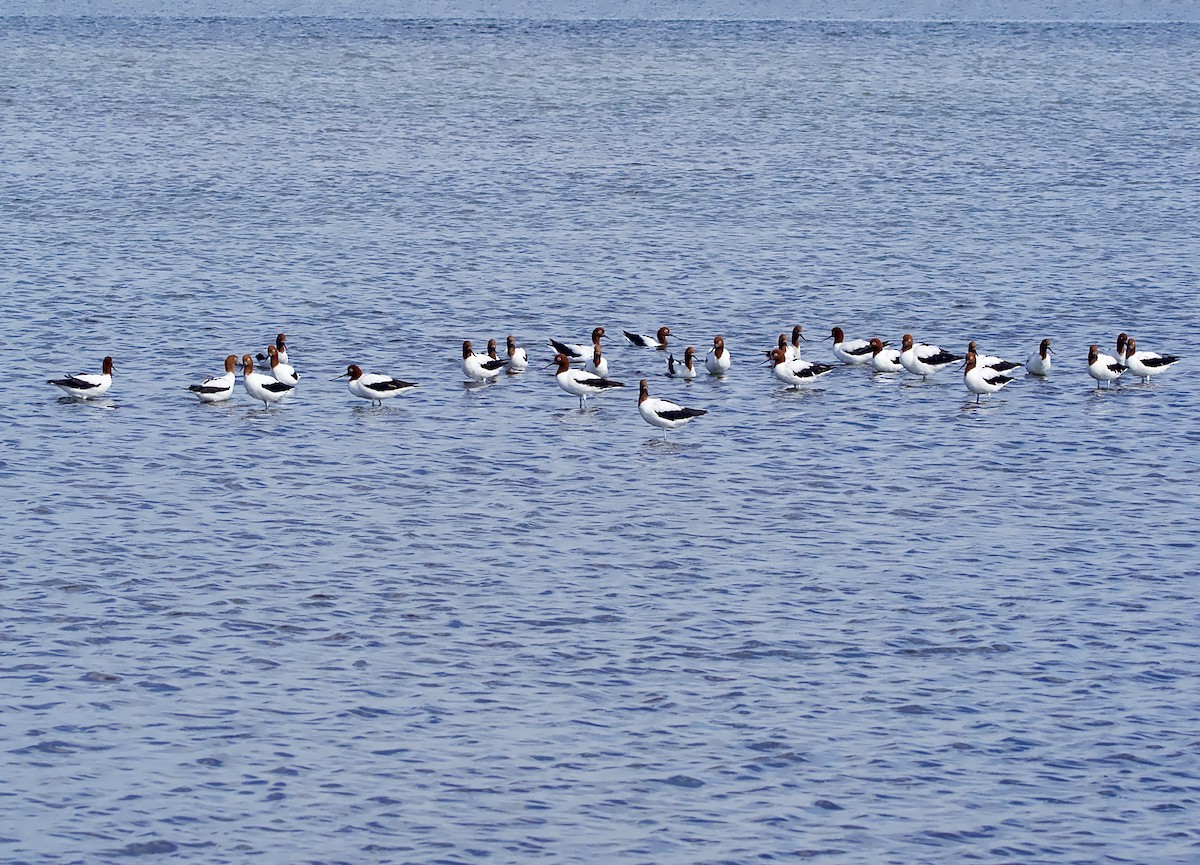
(982, 373)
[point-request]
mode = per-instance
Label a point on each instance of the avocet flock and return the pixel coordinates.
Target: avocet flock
(982, 374)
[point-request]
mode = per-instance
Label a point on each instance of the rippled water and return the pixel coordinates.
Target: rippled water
(871, 622)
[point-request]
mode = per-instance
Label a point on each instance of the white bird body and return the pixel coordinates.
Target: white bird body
(577, 351)
(218, 388)
(922, 359)
(480, 367)
(850, 351)
(280, 348)
(641, 340)
(990, 360)
(1147, 363)
(685, 370)
(1039, 363)
(282, 371)
(581, 383)
(518, 359)
(717, 361)
(796, 372)
(597, 363)
(663, 413)
(374, 386)
(86, 385)
(1103, 367)
(981, 380)
(884, 359)
(265, 388)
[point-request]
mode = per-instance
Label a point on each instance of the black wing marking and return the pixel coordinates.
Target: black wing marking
(941, 358)
(278, 387)
(861, 350)
(603, 383)
(71, 381)
(386, 386)
(563, 348)
(635, 339)
(491, 365)
(815, 370)
(1165, 360)
(681, 413)
(208, 388)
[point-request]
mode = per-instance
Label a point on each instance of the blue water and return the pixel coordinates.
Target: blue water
(870, 622)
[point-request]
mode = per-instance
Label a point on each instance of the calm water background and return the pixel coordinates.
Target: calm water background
(866, 623)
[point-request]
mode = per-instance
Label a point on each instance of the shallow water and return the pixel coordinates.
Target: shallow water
(869, 622)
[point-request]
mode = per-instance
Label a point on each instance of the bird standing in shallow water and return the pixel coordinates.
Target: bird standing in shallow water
(86, 385)
(518, 360)
(220, 387)
(641, 340)
(580, 383)
(374, 386)
(479, 367)
(982, 379)
(1039, 362)
(685, 370)
(1103, 367)
(264, 388)
(663, 413)
(717, 361)
(1147, 363)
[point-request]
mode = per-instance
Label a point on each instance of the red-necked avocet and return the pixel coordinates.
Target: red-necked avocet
(685, 370)
(480, 367)
(851, 351)
(280, 346)
(797, 338)
(86, 385)
(374, 386)
(1122, 347)
(577, 351)
(1039, 363)
(220, 387)
(1103, 367)
(580, 383)
(282, 371)
(990, 360)
(884, 359)
(922, 359)
(717, 361)
(663, 413)
(796, 372)
(597, 363)
(1147, 363)
(518, 360)
(982, 379)
(641, 340)
(265, 388)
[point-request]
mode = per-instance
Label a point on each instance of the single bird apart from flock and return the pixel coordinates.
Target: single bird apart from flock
(218, 388)
(374, 386)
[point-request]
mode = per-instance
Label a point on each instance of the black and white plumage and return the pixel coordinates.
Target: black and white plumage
(1147, 363)
(981, 380)
(1103, 367)
(1039, 363)
(218, 388)
(581, 383)
(796, 372)
(282, 370)
(578, 351)
(850, 351)
(86, 385)
(480, 367)
(663, 413)
(374, 386)
(924, 360)
(718, 361)
(264, 388)
(641, 340)
(685, 370)
(884, 359)
(518, 360)
(280, 347)
(597, 364)
(991, 361)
